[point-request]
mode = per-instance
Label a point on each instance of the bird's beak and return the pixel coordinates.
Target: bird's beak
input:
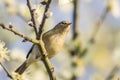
(69, 23)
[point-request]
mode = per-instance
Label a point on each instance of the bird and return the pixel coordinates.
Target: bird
(53, 42)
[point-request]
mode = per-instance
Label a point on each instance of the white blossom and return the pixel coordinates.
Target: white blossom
(63, 2)
(16, 76)
(3, 51)
(48, 14)
(115, 7)
(38, 12)
(116, 55)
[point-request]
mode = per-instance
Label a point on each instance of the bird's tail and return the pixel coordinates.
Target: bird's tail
(20, 70)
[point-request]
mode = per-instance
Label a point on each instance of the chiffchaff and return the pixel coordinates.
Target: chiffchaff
(53, 41)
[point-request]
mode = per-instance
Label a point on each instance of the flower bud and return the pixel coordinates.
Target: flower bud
(48, 14)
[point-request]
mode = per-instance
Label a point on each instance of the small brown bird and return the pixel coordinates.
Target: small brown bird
(53, 40)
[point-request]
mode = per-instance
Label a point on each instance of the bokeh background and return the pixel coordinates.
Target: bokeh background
(98, 39)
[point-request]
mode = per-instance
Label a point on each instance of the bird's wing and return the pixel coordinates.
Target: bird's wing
(30, 51)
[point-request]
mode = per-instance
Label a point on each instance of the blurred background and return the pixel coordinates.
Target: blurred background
(92, 47)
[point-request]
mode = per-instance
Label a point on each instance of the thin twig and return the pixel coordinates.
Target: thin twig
(113, 72)
(8, 74)
(32, 16)
(98, 24)
(74, 52)
(75, 28)
(75, 19)
(43, 20)
(10, 28)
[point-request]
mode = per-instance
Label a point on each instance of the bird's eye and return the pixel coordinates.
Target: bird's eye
(63, 23)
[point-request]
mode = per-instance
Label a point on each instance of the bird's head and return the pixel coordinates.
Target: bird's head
(63, 26)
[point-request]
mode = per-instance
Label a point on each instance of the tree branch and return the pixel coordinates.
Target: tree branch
(32, 16)
(10, 28)
(75, 28)
(75, 19)
(113, 72)
(43, 19)
(8, 74)
(98, 24)
(48, 65)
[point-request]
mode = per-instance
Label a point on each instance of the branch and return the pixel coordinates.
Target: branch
(8, 74)
(75, 28)
(75, 19)
(43, 51)
(10, 28)
(98, 24)
(74, 51)
(43, 19)
(32, 16)
(48, 65)
(113, 72)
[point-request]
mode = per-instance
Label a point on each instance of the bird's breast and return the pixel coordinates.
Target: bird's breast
(53, 44)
